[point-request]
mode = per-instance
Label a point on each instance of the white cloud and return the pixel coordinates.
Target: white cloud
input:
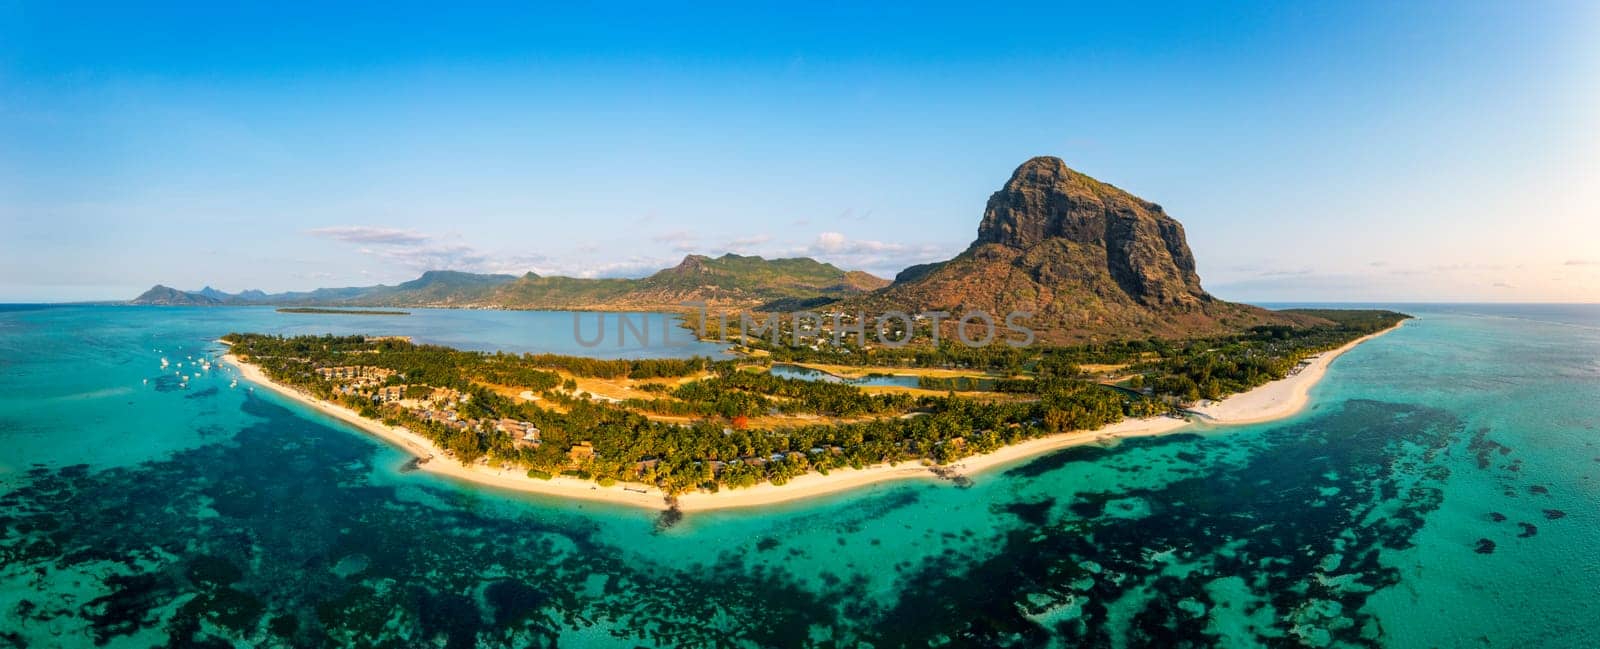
(371, 234)
(746, 242)
(1467, 267)
(631, 268)
(833, 242)
(878, 257)
(418, 251)
(681, 240)
(432, 256)
(675, 236)
(1298, 272)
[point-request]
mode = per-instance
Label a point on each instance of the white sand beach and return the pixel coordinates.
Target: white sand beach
(816, 484)
(1274, 400)
(1281, 398)
(433, 460)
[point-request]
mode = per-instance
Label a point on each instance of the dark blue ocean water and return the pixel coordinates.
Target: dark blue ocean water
(1442, 491)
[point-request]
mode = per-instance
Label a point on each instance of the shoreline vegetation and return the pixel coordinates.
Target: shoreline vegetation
(312, 309)
(839, 425)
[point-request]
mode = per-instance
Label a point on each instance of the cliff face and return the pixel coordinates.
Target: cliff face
(1090, 261)
(1144, 250)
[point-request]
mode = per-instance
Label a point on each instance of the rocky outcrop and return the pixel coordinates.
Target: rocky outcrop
(1145, 250)
(1089, 260)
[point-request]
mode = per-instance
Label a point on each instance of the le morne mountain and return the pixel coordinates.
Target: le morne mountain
(1089, 260)
(1086, 258)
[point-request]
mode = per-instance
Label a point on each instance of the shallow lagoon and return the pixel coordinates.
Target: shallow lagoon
(137, 514)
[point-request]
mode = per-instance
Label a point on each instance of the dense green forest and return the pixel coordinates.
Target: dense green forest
(710, 443)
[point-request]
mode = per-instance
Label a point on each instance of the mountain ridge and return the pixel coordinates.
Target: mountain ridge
(167, 296)
(728, 281)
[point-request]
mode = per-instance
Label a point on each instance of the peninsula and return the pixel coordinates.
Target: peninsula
(700, 434)
(1125, 342)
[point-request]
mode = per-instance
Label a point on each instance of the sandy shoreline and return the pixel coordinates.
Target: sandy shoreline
(1281, 398)
(1274, 400)
(438, 463)
(815, 484)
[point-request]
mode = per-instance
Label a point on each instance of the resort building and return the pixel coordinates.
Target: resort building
(354, 372)
(389, 394)
(581, 452)
(523, 434)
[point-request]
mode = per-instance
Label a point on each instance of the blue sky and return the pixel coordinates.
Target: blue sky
(1334, 151)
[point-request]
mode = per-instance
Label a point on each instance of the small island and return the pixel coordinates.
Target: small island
(700, 433)
(309, 309)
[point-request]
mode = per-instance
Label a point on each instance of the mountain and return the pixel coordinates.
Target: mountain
(433, 288)
(729, 281)
(748, 280)
(213, 294)
(439, 288)
(168, 296)
(1089, 260)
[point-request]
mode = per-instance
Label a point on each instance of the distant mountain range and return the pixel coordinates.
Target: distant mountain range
(729, 281)
(1089, 260)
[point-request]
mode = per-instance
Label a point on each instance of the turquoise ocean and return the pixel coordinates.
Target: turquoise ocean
(1442, 491)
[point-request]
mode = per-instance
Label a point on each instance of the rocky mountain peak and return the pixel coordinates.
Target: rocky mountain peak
(692, 264)
(1046, 198)
(1144, 250)
(1088, 260)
